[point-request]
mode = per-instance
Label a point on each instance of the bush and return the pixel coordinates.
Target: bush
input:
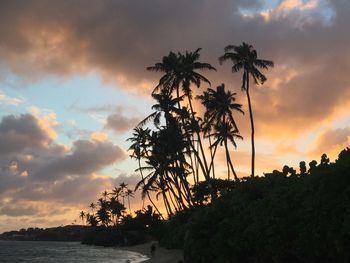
(277, 219)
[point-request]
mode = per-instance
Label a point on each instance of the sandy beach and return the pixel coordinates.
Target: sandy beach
(161, 255)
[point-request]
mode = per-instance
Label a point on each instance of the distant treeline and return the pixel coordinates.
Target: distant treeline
(64, 233)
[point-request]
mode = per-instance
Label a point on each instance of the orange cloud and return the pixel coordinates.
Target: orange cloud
(99, 136)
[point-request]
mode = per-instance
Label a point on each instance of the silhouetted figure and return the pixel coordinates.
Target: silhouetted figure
(153, 249)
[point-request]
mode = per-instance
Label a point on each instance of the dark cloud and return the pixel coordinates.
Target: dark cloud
(120, 123)
(33, 168)
(18, 210)
(85, 158)
(119, 39)
(20, 132)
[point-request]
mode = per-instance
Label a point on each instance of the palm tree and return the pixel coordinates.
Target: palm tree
(140, 143)
(91, 219)
(82, 215)
(180, 70)
(116, 208)
(224, 132)
(219, 105)
(103, 216)
(123, 187)
(129, 193)
(104, 194)
(245, 57)
(93, 207)
(116, 192)
(165, 104)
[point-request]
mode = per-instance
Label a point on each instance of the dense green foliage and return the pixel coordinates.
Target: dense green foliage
(281, 217)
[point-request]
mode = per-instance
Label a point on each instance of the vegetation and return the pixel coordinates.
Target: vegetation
(285, 216)
(179, 151)
(244, 57)
(62, 233)
(111, 224)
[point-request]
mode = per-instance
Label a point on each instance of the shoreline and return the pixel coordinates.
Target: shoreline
(161, 255)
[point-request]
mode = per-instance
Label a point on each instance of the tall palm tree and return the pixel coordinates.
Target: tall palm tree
(180, 71)
(244, 57)
(116, 208)
(123, 186)
(139, 147)
(116, 192)
(103, 213)
(166, 105)
(129, 193)
(220, 106)
(104, 194)
(224, 132)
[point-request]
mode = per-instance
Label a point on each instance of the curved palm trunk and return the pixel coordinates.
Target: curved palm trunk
(199, 141)
(229, 162)
(211, 156)
(252, 126)
(212, 160)
(148, 195)
(129, 204)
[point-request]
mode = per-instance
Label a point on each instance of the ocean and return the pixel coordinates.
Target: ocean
(63, 252)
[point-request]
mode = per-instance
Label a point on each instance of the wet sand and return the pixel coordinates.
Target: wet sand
(161, 255)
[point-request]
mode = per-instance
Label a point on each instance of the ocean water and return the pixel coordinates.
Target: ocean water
(63, 252)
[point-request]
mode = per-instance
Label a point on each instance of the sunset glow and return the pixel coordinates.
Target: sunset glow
(73, 85)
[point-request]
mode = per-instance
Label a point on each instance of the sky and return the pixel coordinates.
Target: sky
(73, 84)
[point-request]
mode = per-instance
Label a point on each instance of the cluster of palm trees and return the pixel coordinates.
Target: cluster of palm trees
(176, 147)
(110, 207)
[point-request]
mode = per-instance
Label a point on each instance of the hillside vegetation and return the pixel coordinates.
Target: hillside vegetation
(281, 217)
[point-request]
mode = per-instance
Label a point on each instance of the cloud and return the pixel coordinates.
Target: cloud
(119, 39)
(120, 123)
(99, 136)
(331, 142)
(20, 132)
(4, 99)
(36, 171)
(309, 87)
(18, 210)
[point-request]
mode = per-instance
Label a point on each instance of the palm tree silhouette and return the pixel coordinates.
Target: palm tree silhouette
(82, 215)
(129, 193)
(225, 131)
(116, 192)
(165, 104)
(116, 208)
(139, 147)
(219, 105)
(92, 206)
(180, 71)
(102, 212)
(104, 194)
(245, 57)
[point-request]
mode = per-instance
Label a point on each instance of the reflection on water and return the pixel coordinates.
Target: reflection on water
(65, 252)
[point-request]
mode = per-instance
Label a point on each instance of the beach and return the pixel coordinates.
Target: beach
(161, 255)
